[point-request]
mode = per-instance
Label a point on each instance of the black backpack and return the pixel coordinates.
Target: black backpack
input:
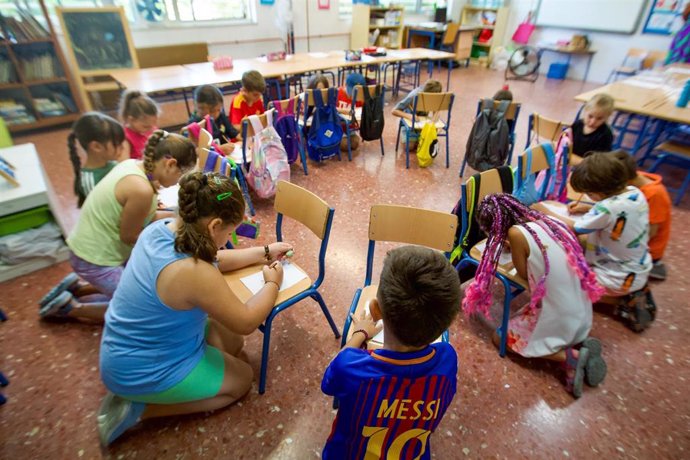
(371, 127)
(489, 142)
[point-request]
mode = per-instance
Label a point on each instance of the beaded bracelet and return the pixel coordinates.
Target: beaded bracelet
(267, 254)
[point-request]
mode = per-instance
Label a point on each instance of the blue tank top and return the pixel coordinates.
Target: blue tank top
(148, 347)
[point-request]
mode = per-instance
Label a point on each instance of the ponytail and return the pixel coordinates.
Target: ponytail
(204, 195)
(137, 104)
(76, 165)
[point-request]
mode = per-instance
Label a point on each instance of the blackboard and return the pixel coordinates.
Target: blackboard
(98, 39)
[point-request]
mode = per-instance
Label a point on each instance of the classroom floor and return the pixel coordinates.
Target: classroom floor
(504, 408)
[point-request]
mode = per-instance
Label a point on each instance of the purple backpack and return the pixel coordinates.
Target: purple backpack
(286, 126)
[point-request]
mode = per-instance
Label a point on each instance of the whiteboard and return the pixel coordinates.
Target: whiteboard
(620, 16)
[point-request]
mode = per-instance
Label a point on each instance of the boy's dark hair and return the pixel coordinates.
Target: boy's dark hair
(316, 79)
(628, 162)
(504, 94)
(209, 95)
(419, 294)
(90, 127)
(252, 80)
(599, 172)
(205, 195)
(136, 104)
(432, 86)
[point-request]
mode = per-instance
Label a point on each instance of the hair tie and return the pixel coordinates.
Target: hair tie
(165, 134)
(222, 196)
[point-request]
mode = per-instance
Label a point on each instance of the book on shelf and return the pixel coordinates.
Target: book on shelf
(15, 113)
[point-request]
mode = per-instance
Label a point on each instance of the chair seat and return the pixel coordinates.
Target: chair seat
(507, 270)
(234, 280)
(369, 293)
(626, 70)
(682, 150)
(421, 121)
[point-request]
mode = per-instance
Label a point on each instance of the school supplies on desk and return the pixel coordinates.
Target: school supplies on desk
(291, 276)
(222, 63)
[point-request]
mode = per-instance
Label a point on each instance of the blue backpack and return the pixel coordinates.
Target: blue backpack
(288, 130)
(325, 133)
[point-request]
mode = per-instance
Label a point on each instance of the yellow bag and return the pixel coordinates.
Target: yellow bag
(428, 143)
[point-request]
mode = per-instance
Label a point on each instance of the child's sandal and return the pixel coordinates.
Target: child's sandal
(634, 312)
(64, 285)
(575, 370)
(650, 304)
(59, 307)
(595, 370)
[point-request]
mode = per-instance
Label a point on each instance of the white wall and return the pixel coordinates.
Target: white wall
(611, 48)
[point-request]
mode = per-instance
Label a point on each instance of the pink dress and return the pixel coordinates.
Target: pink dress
(137, 142)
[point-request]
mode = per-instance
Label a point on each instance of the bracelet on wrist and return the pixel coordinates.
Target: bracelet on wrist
(366, 335)
(271, 281)
(267, 254)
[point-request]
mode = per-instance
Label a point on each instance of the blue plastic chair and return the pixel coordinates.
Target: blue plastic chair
(511, 117)
(489, 182)
(678, 155)
(358, 96)
(315, 214)
(427, 102)
(391, 223)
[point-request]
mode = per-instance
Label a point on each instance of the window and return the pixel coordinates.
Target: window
(425, 7)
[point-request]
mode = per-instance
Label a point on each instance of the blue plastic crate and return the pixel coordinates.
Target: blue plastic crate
(557, 71)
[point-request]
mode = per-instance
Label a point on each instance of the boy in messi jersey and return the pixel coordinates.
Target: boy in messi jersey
(392, 399)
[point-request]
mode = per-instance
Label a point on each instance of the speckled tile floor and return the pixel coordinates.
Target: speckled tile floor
(504, 408)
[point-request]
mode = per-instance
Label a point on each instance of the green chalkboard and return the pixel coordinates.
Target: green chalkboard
(98, 38)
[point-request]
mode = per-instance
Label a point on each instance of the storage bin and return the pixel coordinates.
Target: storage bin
(20, 221)
(557, 71)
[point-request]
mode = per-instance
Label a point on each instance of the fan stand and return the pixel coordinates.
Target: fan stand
(532, 77)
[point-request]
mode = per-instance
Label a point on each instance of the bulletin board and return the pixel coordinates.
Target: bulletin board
(618, 16)
(665, 17)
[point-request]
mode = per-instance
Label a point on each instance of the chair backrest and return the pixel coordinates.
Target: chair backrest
(205, 138)
(544, 128)
(203, 159)
(358, 94)
(302, 205)
(433, 229)
(539, 162)
(248, 129)
(451, 34)
(654, 58)
(309, 97)
(511, 115)
(490, 183)
(433, 102)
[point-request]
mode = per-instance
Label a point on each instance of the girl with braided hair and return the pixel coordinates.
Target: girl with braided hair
(174, 328)
(113, 216)
(562, 288)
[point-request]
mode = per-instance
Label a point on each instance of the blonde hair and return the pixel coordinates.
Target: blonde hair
(432, 86)
(602, 102)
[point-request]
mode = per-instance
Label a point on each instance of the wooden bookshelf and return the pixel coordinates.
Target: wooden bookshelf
(493, 20)
(36, 88)
(367, 19)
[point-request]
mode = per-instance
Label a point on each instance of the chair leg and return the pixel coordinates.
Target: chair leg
(504, 322)
(349, 146)
(397, 139)
(3, 380)
(407, 149)
(264, 353)
(245, 192)
(381, 141)
(462, 168)
(447, 151)
(681, 191)
(317, 296)
(659, 161)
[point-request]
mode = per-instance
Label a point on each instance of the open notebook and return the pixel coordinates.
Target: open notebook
(291, 276)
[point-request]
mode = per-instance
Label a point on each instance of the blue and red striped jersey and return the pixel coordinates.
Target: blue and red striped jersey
(390, 402)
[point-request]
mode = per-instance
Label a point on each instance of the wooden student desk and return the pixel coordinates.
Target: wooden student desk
(183, 77)
(431, 35)
(652, 97)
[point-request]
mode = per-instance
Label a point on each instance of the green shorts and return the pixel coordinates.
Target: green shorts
(203, 382)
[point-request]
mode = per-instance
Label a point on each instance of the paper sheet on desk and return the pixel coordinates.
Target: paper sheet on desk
(504, 259)
(642, 84)
(562, 211)
(168, 196)
(291, 276)
(318, 55)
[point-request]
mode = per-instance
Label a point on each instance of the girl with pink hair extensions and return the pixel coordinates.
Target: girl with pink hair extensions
(556, 323)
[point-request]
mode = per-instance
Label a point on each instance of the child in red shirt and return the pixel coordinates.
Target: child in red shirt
(249, 101)
(139, 115)
(659, 210)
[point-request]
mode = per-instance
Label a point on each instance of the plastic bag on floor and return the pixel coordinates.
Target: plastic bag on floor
(41, 242)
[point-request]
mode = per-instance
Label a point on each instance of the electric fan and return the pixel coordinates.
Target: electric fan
(151, 10)
(524, 64)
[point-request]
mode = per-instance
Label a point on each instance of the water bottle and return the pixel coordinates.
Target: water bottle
(684, 95)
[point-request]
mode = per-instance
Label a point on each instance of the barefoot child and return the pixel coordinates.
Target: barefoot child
(174, 329)
(418, 298)
(114, 215)
(562, 288)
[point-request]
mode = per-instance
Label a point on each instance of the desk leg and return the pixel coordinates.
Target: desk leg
(186, 102)
(450, 67)
(432, 45)
(640, 136)
(654, 138)
(589, 63)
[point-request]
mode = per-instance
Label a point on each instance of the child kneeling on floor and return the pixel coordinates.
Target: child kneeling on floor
(617, 236)
(174, 328)
(418, 298)
(558, 318)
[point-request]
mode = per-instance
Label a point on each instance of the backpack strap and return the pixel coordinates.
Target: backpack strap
(333, 97)
(318, 97)
(256, 123)
(487, 104)
(505, 173)
(471, 188)
(269, 117)
(502, 108)
(278, 107)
